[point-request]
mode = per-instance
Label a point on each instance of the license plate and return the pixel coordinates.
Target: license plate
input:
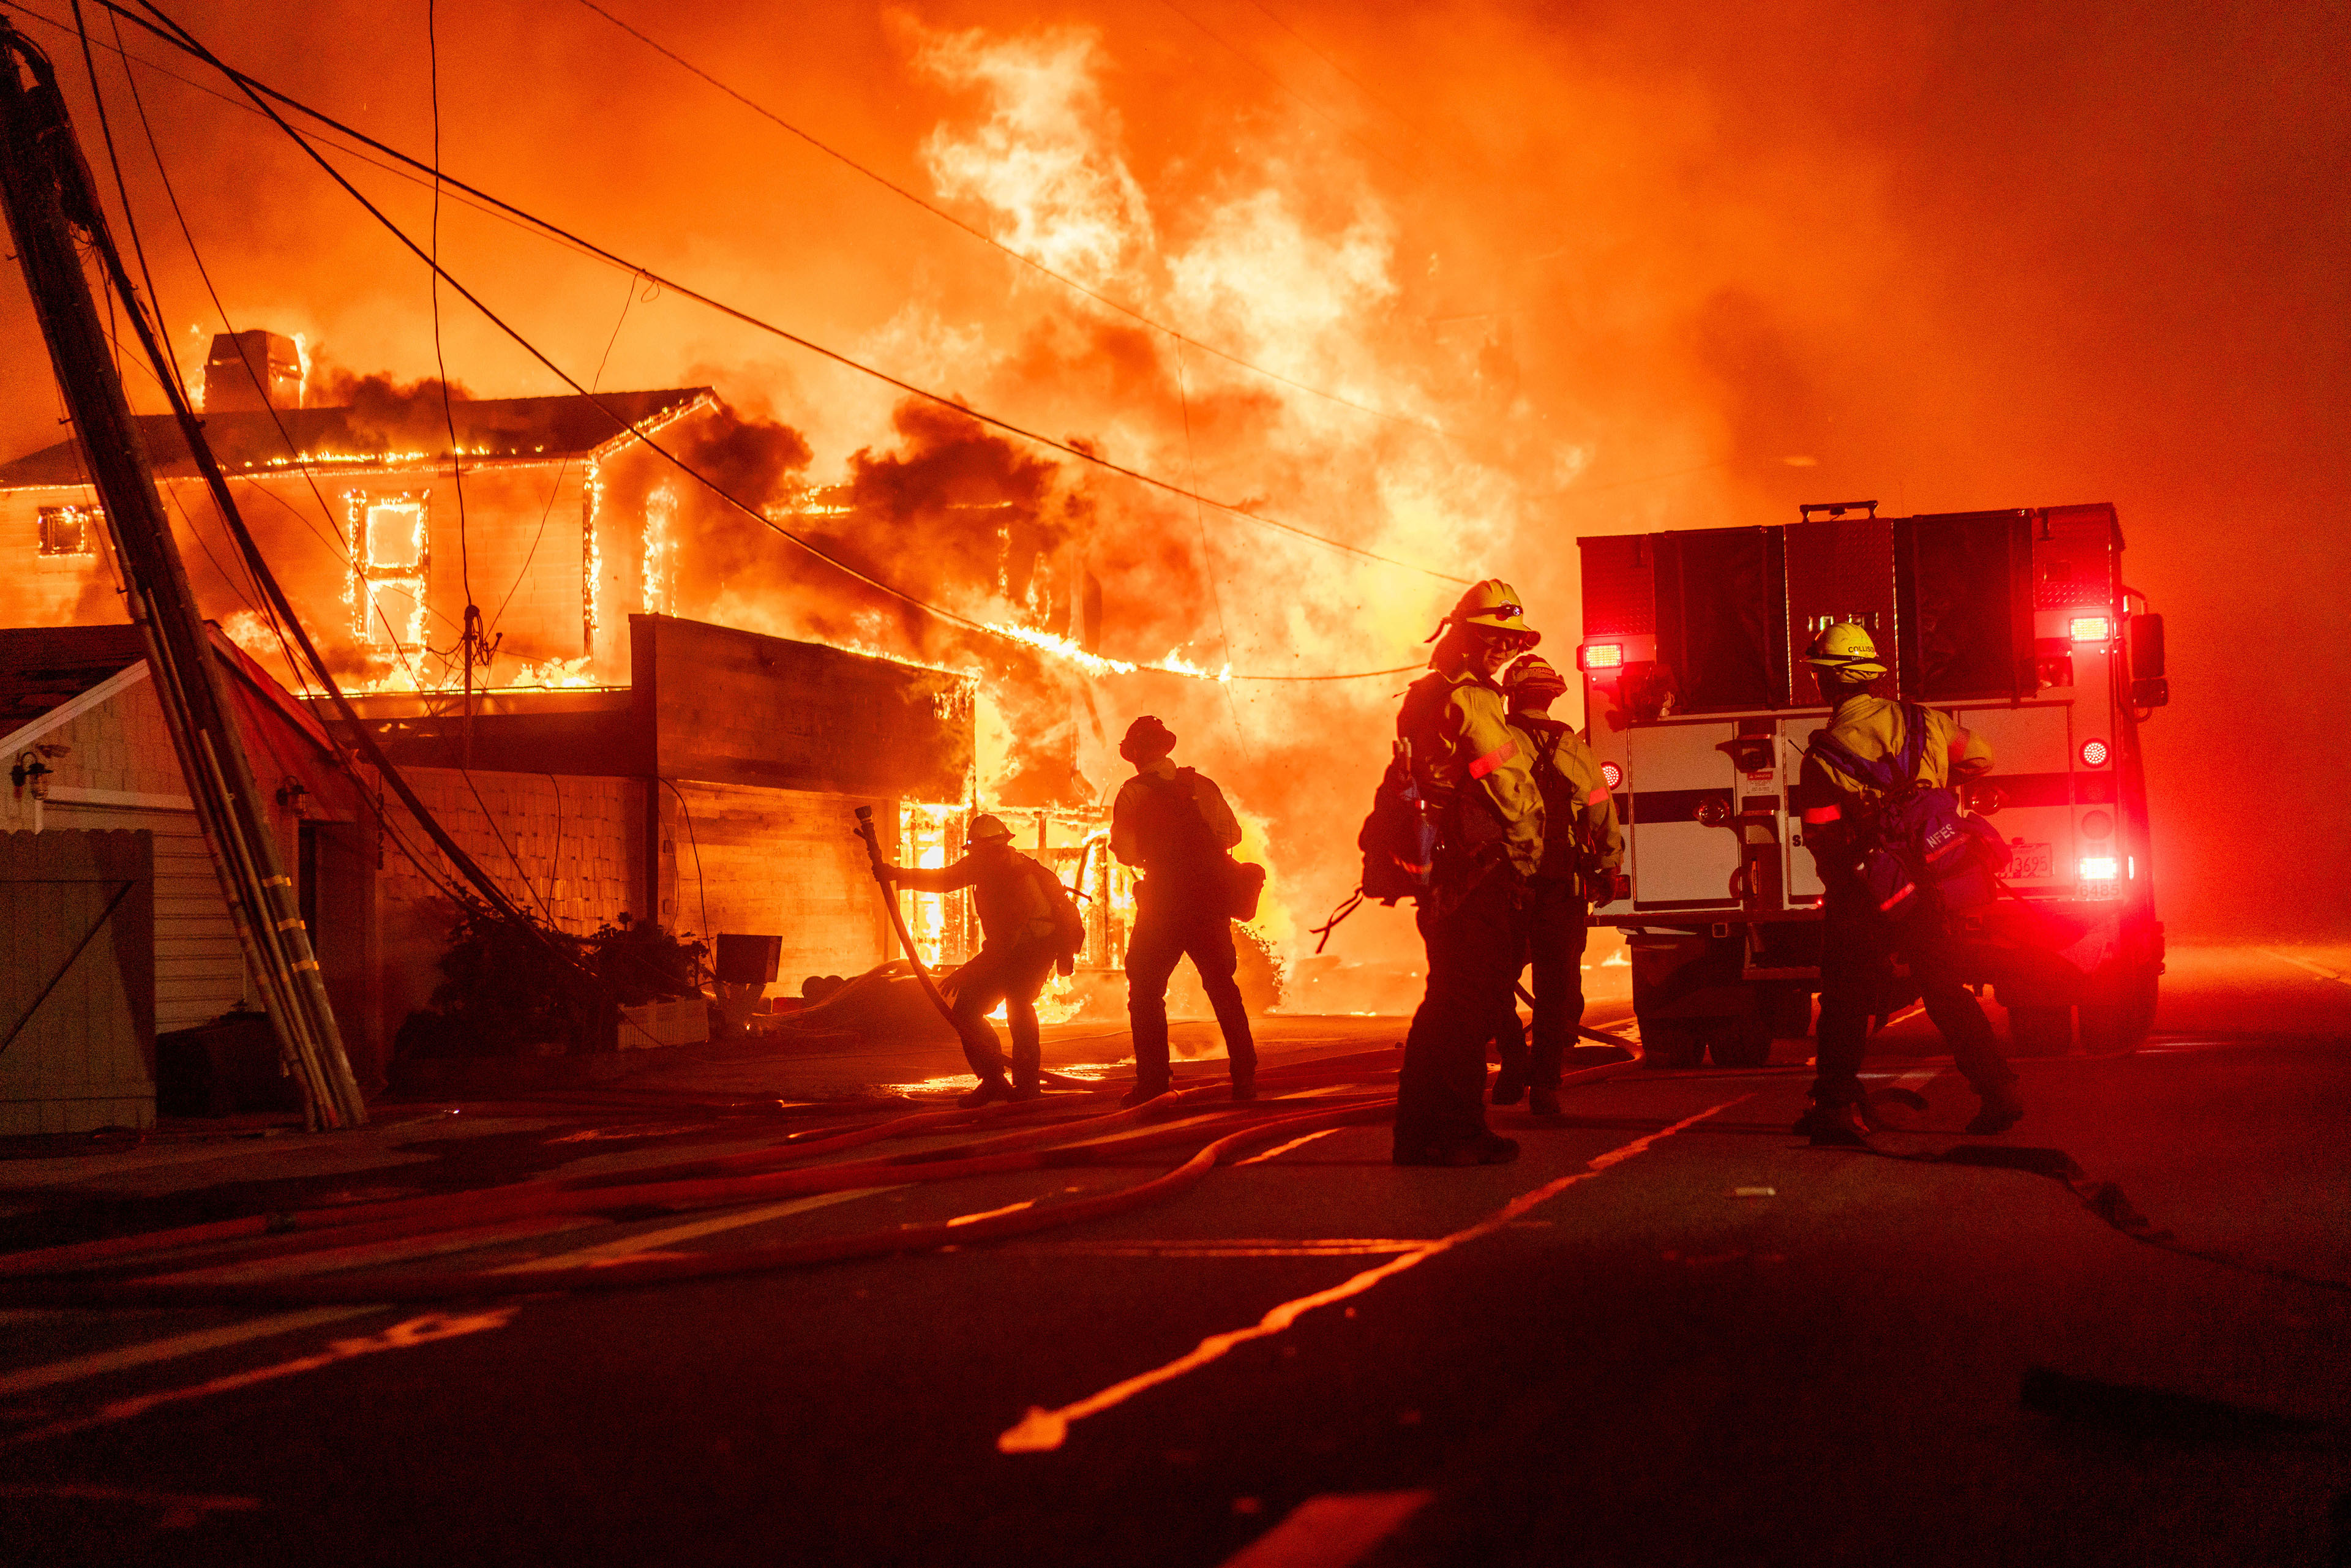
(2033, 862)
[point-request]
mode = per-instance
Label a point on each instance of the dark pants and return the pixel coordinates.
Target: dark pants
(1555, 938)
(1474, 954)
(1858, 951)
(1012, 975)
(1170, 926)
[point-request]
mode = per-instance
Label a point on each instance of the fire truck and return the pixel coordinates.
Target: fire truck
(1699, 706)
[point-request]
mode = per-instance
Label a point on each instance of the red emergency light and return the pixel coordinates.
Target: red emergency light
(2095, 754)
(1611, 774)
(2099, 868)
(2094, 629)
(1601, 656)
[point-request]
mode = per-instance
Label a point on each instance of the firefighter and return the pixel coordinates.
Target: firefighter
(1021, 943)
(1857, 942)
(1582, 850)
(1480, 773)
(1173, 823)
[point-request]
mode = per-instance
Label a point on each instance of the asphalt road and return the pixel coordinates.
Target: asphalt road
(1670, 1333)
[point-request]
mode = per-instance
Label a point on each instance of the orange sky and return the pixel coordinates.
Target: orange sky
(1634, 257)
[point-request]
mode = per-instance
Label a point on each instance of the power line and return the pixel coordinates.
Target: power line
(382, 218)
(116, 47)
(1349, 76)
(1254, 64)
(448, 412)
(187, 234)
(257, 90)
(993, 243)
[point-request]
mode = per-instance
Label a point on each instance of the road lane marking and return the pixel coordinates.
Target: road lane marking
(1331, 1532)
(650, 1241)
(1043, 1430)
(1285, 1148)
(403, 1250)
(2320, 971)
(98, 1362)
(1334, 1247)
(415, 1331)
(992, 1213)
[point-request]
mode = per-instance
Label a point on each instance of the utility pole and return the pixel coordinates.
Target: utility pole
(47, 192)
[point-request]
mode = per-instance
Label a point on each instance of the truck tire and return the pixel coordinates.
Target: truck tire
(1668, 1043)
(1741, 1042)
(2040, 1031)
(2121, 1025)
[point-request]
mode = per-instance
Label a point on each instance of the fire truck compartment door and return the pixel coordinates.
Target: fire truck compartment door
(1801, 876)
(1670, 769)
(2032, 754)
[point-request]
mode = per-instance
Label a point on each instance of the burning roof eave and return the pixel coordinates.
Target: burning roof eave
(59, 467)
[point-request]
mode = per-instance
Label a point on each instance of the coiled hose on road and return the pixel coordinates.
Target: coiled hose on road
(118, 1272)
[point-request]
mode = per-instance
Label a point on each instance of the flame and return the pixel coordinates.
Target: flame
(1039, 157)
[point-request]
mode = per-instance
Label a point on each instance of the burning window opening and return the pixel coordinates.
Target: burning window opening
(1074, 843)
(70, 531)
(391, 561)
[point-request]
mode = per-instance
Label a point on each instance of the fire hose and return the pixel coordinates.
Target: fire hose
(1597, 1036)
(898, 918)
(96, 1270)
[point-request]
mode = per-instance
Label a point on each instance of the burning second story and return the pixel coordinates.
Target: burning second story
(559, 530)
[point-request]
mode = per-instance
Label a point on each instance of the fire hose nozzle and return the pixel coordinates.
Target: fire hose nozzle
(864, 813)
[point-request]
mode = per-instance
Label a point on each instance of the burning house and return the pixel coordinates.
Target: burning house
(376, 534)
(599, 753)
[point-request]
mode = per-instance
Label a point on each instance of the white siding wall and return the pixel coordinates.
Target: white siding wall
(198, 968)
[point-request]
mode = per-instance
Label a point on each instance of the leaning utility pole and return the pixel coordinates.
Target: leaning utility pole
(49, 194)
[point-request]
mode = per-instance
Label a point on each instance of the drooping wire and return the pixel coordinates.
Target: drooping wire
(257, 92)
(992, 242)
(334, 535)
(1208, 563)
(1254, 64)
(701, 888)
(441, 364)
(717, 490)
(564, 467)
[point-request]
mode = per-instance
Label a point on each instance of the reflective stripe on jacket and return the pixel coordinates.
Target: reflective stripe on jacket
(1579, 831)
(1465, 752)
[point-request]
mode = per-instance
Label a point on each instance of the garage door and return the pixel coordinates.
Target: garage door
(198, 968)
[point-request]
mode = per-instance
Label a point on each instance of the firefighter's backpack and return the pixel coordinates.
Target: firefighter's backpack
(1918, 847)
(1400, 838)
(1069, 922)
(1175, 838)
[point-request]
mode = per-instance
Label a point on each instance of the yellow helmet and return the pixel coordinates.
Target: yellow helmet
(1847, 650)
(1494, 605)
(985, 829)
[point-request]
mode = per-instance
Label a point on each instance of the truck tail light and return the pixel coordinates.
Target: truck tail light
(2095, 754)
(2098, 868)
(2094, 629)
(1611, 774)
(1601, 656)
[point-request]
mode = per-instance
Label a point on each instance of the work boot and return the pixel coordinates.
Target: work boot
(1140, 1095)
(1542, 1100)
(1244, 1085)
(1509, 1086)
(1835, 1127)
(991, 1090)
(2000, 1110)
(1026, 1089)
